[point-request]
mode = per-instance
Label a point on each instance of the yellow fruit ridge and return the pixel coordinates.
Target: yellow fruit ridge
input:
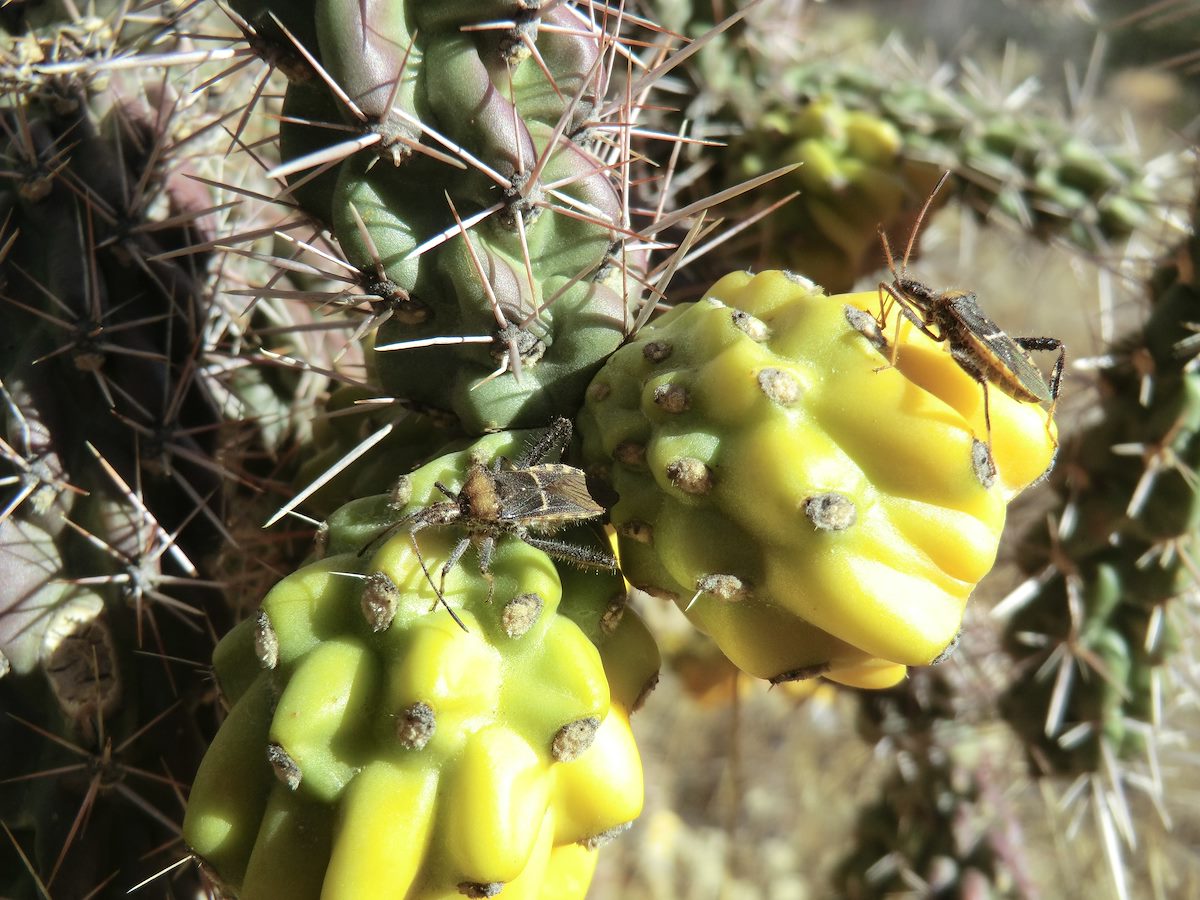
(384, 751)
(813, 508)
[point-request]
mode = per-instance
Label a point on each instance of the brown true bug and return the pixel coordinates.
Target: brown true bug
(980, 347)
(519, 499)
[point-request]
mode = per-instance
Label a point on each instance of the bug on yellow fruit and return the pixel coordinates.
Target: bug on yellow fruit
(981, 348)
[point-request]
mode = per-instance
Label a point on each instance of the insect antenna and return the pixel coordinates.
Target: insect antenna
(384, 533)
(412, 537)
(883, 288)
(916, 229)
(898, 292)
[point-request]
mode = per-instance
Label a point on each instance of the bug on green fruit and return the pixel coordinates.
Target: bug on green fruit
(526, 500)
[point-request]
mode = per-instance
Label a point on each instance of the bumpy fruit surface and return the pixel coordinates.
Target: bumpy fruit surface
(411, 757)
(813, 508)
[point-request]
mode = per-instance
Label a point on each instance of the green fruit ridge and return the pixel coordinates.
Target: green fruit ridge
(375, 748)
(812, 508)
(455, 163)
(1093, 638)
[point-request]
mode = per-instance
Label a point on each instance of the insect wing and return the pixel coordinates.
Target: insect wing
(546, 493)
(1018, 375)
(567, 488)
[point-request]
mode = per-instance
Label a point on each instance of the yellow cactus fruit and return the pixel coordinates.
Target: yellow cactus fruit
(813, 507)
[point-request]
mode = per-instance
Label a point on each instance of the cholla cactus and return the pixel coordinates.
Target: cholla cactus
(115, 456)
(462, 168)
(459, 240)
(871, 138)
(1097, 624)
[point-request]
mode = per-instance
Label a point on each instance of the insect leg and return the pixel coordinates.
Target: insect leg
(455, 555)
(1049, 344)
(906, 310)
(584, 557)
(987, 416)
(966, 361)
(487, 547)
(412, 536)
(557, 437)
(382, 535)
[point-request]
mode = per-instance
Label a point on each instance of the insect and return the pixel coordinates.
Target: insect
(526, 500)
(980, 347)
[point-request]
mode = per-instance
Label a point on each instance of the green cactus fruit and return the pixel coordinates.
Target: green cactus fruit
(387, 751)
(813, 509)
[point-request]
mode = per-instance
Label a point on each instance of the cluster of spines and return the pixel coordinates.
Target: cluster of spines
(1095, 626)
(473, 191)
(124, 431)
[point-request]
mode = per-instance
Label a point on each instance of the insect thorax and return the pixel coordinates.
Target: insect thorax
(918, 293)
(478, 497)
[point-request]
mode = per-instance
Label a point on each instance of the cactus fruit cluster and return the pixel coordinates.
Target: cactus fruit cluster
(813, 508)
(872, 136)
